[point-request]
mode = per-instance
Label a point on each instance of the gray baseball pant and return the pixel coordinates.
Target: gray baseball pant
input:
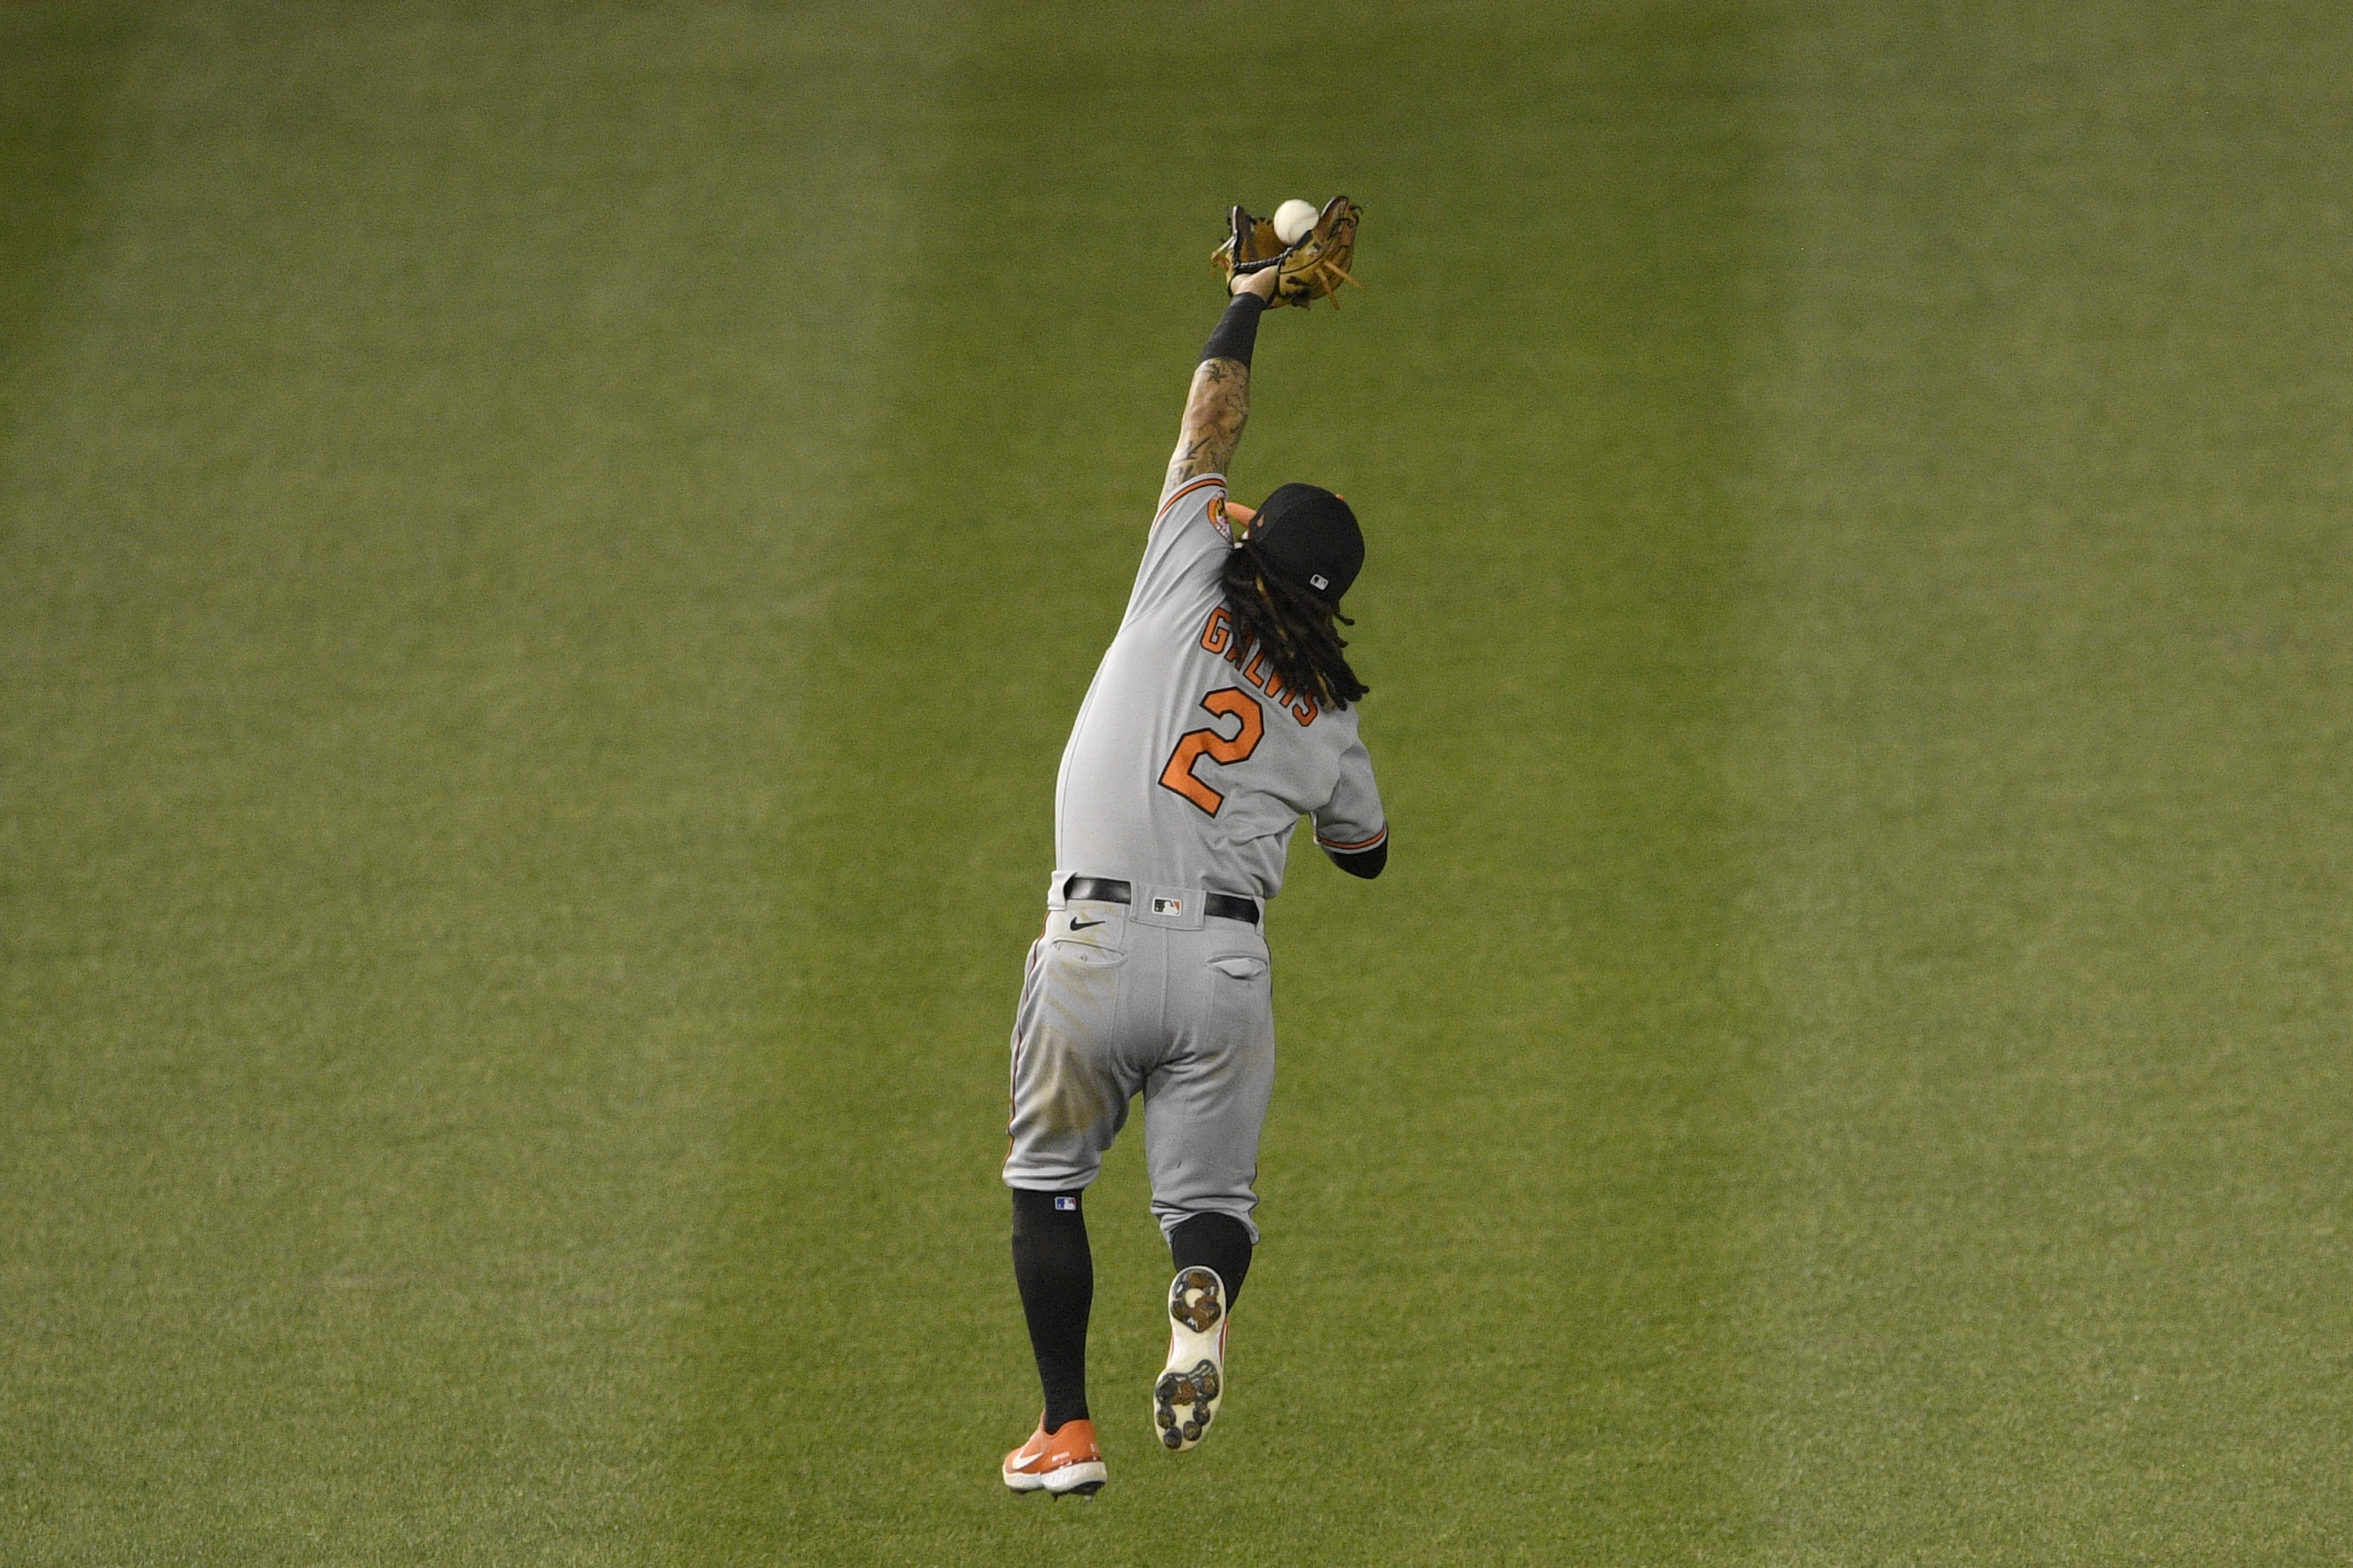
(1180, 1008)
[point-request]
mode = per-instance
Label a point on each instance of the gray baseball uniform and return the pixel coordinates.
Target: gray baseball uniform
(1186, 772)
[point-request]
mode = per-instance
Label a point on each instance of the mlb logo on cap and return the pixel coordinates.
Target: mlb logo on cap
(1310, 536)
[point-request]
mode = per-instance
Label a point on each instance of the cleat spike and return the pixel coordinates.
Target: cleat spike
(1185, 1396)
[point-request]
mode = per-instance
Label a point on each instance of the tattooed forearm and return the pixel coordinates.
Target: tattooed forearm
(1214, 415)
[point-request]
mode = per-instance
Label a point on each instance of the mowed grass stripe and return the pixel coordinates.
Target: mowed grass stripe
(58, 100)
(545, 565)
(1486, 1324)
(403, 582)
(2050, 924)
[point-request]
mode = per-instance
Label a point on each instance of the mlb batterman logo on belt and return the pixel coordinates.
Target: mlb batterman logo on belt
(1224, 711)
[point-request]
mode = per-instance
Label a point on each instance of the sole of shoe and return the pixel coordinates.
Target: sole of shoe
(1185, 1399)
(1082, 1480)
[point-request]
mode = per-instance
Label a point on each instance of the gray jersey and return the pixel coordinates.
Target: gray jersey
(1189, 764)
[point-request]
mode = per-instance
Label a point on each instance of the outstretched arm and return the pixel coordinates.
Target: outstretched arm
(1218, 404)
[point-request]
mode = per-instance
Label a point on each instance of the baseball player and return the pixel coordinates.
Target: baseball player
(1223, 712)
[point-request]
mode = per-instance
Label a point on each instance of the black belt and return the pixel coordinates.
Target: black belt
(1108, 890)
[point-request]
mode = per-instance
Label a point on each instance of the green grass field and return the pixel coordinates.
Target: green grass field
(546, 557)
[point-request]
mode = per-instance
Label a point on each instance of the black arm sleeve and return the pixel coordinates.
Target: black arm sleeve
(1364, 863)
(1237, 331)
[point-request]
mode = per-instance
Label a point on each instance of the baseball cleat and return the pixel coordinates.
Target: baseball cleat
(1185, 1400)
(1060, 1462)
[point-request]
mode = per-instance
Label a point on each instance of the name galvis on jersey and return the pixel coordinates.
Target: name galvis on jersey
(1192, 761)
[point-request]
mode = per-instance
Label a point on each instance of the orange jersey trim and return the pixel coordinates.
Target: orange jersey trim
(1217, 479)
(1357, 847)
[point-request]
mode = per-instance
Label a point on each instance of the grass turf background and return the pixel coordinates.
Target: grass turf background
(545, 559)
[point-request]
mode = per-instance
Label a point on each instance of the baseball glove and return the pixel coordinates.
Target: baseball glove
(1311, 268)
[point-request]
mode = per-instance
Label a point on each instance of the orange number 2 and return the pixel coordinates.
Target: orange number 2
(1229, 702)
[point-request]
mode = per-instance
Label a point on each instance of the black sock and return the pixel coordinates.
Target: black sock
(1219, 1241)
(1056, 1271)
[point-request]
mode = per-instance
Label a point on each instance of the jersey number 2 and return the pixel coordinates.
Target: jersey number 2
(1227, 702)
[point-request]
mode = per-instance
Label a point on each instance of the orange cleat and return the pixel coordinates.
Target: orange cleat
(1066, 1462)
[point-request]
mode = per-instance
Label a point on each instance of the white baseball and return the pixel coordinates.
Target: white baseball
(1294, 218)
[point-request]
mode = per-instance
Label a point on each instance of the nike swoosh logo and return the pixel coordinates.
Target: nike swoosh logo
(1081, 925)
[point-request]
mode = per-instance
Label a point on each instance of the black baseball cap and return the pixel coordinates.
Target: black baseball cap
(1309, 535)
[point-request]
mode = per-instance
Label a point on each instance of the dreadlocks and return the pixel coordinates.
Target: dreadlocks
(1293, 626)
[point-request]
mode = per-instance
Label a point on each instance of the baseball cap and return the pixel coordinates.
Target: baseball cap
(1310, 536)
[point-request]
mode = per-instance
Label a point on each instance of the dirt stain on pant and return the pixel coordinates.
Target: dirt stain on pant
(1072, 1095)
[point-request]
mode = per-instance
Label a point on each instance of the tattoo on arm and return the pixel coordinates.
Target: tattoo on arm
(1214, 416)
